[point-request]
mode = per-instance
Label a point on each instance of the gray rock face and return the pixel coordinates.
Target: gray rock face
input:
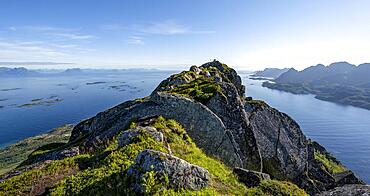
(282, 144)
(250, 178)
(128, 135)
(181, 174)
(231, 111)
(205, 128)
(347, 190)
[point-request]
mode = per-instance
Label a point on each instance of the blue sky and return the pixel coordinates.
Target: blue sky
(246, 34)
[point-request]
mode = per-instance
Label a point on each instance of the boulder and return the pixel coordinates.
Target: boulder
(129, 135)
(250, 178)
(180, 174)
(195, 69)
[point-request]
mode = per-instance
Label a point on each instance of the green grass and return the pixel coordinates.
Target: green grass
(13, 155)
(329, 165)
(201, 89)
(276, 188)
(24, 182)
(257, 102)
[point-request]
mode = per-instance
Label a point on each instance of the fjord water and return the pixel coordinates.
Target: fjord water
(79, 97)
(342, 130)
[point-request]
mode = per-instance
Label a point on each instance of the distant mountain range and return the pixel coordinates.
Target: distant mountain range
(270, 72)
(19, 71)
(24, 72)
(339, 82)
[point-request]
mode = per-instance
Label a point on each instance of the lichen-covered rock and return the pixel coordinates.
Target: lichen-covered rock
(281, 142)
(129, 135)
(171, 171)
(205, 128)
(250, 178)
(229, 73)
(230, 108)
(347, 190)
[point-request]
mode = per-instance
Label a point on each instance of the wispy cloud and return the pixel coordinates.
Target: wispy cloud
(56, 43)
(73, 36)
(168, 27)
(58, 32)
(17, 50)
(137, 40)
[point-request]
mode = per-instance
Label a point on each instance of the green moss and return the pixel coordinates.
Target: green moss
(276, 188)
(202, 89)
(331, 166)
(257, 102)
(154, 182)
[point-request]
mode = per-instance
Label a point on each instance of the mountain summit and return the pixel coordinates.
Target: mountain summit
(196, 133)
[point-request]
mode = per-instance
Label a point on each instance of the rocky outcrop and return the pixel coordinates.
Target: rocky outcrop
(288, 155)
(230, 109)
(282, 144)
(351, 189)
(212, 108)
(227, 73)
(173, 172)
(250, 178)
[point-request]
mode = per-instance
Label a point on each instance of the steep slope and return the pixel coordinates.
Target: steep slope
(132, 148)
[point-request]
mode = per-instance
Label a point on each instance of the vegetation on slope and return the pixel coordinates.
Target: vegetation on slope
(329, 165)
(104, 173)
(202, 89)
(13, 155)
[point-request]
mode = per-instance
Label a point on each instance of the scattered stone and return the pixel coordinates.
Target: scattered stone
(351, 189)
(195, 69)
(250, 178)
(180, 174)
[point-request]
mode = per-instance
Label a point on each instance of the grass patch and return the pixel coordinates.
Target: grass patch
(202, 89)
(23, 183)
(276, 188)
(13, 155)
(328, 164)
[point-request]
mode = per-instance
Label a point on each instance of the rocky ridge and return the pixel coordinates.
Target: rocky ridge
(209, 103)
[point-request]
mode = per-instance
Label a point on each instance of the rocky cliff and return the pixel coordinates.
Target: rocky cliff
(132, 148)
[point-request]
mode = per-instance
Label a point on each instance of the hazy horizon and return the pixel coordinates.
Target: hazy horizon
(247, 35)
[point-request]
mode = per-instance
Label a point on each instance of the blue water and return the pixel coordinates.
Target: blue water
(343, 130)
(79, 100)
